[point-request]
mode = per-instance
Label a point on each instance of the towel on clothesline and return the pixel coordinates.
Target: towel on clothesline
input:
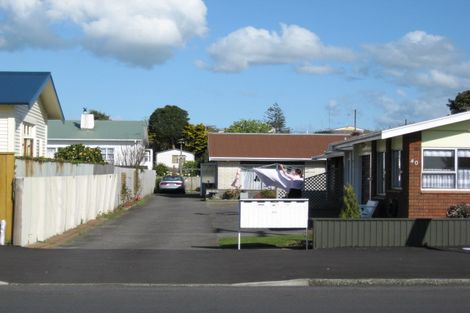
(273, 177)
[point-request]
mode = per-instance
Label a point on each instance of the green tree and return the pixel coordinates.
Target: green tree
(461, 103)
(248, 126)
(100, 116)
(79, 153)
(275, 117)
(350, 204)
(166, 127)
(195, 140)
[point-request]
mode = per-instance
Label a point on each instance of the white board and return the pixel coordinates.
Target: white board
(274, 213)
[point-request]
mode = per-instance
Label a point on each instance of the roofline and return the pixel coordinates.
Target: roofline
(424, 125)
(256, 159)
(281, 134)
(57, 97)
(345, 145)
(86, 139)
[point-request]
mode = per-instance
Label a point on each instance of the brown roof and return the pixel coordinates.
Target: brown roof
(231, 146)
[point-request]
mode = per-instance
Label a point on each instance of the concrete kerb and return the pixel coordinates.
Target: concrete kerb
(424, 282)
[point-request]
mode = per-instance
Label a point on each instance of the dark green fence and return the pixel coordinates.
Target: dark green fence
(378, 232)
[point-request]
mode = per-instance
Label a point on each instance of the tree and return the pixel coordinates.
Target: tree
(350, 204)
(275, 117)
(132, 156)
(461, 103)
(195, 140)
(100, 116)
(79, 153)
(248, 126)
(166, 127)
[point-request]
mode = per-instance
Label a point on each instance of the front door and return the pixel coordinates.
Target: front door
(365, 178)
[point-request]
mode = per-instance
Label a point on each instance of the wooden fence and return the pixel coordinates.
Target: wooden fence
(7, 167)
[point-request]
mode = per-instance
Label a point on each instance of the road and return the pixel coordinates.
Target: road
(117, 299)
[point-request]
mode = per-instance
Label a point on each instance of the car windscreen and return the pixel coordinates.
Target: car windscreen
(172, 178)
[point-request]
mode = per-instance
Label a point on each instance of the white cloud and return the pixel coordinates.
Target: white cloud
(421, 60)
(253, 46)
(317, 69)
(139, 32)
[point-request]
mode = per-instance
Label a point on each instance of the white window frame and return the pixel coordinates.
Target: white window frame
(453, 172)
(107, 153)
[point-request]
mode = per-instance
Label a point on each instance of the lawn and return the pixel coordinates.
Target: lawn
(272, 241)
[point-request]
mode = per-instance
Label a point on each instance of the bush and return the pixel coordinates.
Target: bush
(80, 153)
(350, 204)
(231, 194)
(266, 194)
(161, 169)
(461, 210)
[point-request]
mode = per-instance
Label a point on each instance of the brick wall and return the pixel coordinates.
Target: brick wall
(429, 204)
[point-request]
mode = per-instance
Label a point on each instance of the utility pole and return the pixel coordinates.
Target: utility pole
(180, 159)
(355, 119)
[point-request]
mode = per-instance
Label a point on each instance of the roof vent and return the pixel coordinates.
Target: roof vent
(87, 120)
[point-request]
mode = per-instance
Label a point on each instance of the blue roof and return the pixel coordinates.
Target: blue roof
(24, 88)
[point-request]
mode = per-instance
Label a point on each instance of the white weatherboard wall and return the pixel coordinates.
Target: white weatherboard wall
(48, 206)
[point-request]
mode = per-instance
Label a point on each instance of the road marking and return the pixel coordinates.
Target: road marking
(3, 283)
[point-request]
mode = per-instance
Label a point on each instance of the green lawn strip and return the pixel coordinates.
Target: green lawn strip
(272, 241)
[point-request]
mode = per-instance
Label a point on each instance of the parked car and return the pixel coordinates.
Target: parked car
(171, 183)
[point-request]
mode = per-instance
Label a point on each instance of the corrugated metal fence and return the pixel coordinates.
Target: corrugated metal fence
(336, 233)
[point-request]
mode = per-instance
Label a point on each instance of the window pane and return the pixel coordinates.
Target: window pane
(380, 173)
(439, 181)
(396, 169)
(463, 173)
(439, 160)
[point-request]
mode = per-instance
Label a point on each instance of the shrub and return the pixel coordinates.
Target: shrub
(80, 153)
(161, 169)
(461, 210)
(266, 194)
(231, 194)
(350, 204)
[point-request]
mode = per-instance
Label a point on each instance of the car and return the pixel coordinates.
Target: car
(173, 183)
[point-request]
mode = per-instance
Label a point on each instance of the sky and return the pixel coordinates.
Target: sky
(226, 60)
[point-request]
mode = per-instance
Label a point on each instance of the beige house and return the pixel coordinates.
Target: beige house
(27, 102)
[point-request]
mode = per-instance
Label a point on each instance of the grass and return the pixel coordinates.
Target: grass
(271, 241)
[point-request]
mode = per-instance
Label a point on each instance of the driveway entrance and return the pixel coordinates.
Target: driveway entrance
(165, 222)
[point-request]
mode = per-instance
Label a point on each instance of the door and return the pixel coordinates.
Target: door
(365, 178)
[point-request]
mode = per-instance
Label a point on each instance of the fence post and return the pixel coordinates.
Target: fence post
(7, 172)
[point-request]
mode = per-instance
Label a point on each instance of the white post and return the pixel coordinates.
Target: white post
(3, 225)
(239, 240)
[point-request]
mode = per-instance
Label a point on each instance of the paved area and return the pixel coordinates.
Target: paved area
(166, 221)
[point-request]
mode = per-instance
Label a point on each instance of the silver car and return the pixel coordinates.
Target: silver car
(171, 183)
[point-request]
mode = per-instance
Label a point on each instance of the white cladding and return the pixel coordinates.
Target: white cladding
(37, 118)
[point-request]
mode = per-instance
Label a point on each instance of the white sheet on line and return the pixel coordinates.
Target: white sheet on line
(273, 177)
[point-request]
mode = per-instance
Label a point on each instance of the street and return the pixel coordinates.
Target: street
(125, 299)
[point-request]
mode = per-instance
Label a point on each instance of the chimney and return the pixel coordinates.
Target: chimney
(87, 120)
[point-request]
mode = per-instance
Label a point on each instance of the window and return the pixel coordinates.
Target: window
(446, 169)
(108, 155)
(396, 169)
(380, 173)
(176, 157)
(28, 139)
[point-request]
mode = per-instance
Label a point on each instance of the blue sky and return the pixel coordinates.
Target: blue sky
(226, 60)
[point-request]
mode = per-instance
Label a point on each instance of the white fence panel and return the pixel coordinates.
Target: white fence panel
(48, 206)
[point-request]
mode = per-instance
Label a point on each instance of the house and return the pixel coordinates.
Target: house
(171, 158)
(28, 103)
(121, 142)
(235, 155)
(415, 171)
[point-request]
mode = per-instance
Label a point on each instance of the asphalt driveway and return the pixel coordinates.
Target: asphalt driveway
(165, 222)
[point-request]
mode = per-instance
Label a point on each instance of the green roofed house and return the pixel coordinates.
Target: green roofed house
(121, 142)
(28, 103)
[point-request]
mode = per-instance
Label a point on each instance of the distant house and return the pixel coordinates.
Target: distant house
(119, 141)
(170, 158)
(417, 170)
(235, 155)
(28, 103)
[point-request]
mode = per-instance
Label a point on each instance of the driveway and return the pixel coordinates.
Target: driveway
(165, 222)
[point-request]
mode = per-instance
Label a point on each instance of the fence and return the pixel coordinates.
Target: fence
(335, 233)
(7, 164)
(47, 205)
